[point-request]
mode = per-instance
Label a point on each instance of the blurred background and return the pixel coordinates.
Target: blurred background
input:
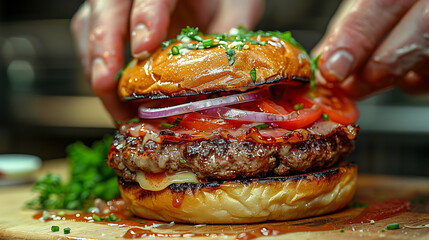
(46, 103)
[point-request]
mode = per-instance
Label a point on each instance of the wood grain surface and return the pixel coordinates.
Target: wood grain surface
(17, 222)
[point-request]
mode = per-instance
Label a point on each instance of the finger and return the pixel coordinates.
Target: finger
(231, 14)
(416, 83)
(80, 29)
(404, 49)
(120, 111)
(351, 42)
(109, 21)
(149, 25)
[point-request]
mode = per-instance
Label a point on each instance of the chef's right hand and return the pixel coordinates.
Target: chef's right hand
(102, 27)
(372, 45)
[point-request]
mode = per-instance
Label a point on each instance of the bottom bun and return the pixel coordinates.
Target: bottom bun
(246, 201)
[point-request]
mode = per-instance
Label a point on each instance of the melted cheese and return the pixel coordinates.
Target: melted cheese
(159, 181)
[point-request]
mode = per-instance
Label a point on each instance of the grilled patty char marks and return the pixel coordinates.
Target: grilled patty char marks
(221, 159)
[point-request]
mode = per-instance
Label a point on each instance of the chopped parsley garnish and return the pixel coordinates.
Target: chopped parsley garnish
(175, 123)
(90, 178)
(239, 38)
(66, 230)
(253, 74)
(314, 66)
(230, 52)
(182, 161)
(55, 228)
(118, 75)
(357, 204)
(342, 230)
(298, 106)
(392, 226)
(133, 120)
(325, 116)
(167, 43)
(261, 126)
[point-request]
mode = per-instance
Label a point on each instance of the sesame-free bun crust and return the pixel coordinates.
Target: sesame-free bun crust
(246, 201)
(203, 71)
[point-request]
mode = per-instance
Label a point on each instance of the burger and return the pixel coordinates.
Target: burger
(232, 129)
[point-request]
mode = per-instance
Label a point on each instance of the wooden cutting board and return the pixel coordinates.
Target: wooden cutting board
(17, 223)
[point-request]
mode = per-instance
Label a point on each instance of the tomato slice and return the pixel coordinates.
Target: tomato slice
(269, 106)
(301, 111)
(336, 105)
(204, 123)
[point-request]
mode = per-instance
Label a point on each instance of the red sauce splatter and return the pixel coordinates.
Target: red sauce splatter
(117, 207)
(381, 210)
(178, 199)
(283, 229)
(142, 233)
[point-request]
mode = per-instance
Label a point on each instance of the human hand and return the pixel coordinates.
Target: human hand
(102, 27)
(372, 45)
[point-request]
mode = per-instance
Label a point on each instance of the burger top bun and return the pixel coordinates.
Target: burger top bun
(179, 71)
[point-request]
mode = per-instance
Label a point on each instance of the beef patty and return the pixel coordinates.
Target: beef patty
(219, 158)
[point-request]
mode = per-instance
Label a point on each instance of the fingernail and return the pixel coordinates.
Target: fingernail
(142, 55)
(340, 64)
(139, 35)
(99, 70)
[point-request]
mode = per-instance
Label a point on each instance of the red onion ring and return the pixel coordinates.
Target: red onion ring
(251, 116)
(214, 103)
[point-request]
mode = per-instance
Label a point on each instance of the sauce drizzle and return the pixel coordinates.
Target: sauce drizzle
(381, 210)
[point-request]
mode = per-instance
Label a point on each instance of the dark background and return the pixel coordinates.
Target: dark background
(46, 104)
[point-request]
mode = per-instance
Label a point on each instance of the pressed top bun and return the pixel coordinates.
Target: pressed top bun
(246, 201)
(208, 70)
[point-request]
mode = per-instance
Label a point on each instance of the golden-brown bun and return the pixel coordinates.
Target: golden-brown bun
(248, 201)
(207, 70)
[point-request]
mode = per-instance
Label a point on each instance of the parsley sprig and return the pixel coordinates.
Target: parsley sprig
(90, 178)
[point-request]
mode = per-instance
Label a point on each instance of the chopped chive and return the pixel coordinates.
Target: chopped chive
(208, 43)
(382, 198)
(342, 230)
(142, 222)
(112, 217)
(357, 204)
(314, 66)
(392, 226)
(118, 75)
(182, 161)
(325, 116)
(253, 74)
(312, 95)
(239, 46)
(133, 120)
(261, 126)
(55, 228)
(66, 230)
(61, 213)
(298, 106)
(175, 50)
(167, 125)
(96, 217)
(175, 123)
